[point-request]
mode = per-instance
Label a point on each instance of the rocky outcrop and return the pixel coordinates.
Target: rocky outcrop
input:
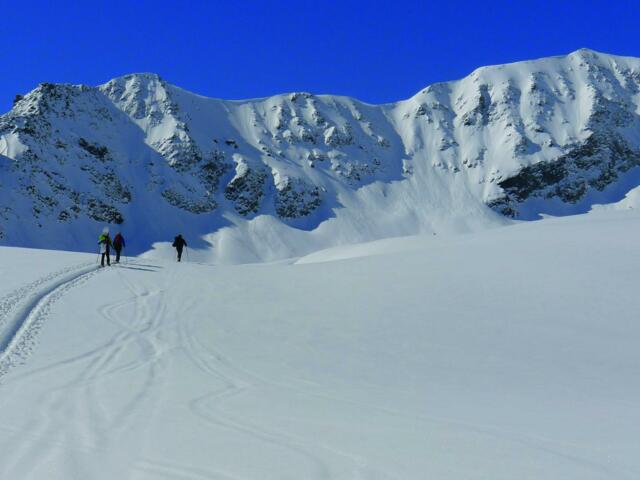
(295, 198)
(594, 164)
(246, 188)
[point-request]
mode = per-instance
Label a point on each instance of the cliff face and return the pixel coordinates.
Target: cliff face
(551, 135)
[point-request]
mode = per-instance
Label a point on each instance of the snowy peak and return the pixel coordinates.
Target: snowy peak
(554, 135)
(141, 96)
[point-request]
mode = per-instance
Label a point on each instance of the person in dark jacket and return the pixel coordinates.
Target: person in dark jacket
(104, 241)
(179, 243)
(118, 245)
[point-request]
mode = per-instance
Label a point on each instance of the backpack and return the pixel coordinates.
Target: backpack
(102, 241)
(179, 243)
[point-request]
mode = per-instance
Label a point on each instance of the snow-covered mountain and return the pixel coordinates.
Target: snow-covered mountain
(275, 177)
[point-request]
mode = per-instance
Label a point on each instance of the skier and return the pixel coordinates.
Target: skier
(105, 245)
(118, 245)
(179, 243)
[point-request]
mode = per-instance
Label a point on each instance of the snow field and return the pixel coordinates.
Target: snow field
(508, 353)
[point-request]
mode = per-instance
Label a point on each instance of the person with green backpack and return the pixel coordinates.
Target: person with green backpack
(104, 241)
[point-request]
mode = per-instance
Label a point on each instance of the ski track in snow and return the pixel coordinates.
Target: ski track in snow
(80, 398)
(23, 311)
(219, 366)
(50, 430)
(238, 381)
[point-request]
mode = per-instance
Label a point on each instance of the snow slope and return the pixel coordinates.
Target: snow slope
(508, 353)
(267, 179)
(630, 201)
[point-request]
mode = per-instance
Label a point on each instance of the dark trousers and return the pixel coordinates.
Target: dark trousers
(118, 250)
(179, 254)
(106, 254)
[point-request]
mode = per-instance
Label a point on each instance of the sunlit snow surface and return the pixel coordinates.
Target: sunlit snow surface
(506, 354)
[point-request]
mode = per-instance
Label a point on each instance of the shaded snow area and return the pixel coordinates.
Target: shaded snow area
(506, 354)
(630, 201)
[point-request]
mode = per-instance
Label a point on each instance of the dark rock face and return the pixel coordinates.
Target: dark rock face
(98, 151)
(211, 169)
(102, 212)
(185, 203)
(246, 190)
(595, 164)
(297, 199)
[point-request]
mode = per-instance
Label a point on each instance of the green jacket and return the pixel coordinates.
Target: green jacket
(104, 241)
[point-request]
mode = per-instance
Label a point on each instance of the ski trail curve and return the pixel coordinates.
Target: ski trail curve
(237, 381)
(51, 433)
(25, 309)
(10, 300)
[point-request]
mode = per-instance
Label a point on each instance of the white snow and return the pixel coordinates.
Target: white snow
(502, 354)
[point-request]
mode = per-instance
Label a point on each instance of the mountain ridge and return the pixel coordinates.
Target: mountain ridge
(393, 102)
(553, 135)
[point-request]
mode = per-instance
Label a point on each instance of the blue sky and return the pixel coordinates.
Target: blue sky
(375, 51)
